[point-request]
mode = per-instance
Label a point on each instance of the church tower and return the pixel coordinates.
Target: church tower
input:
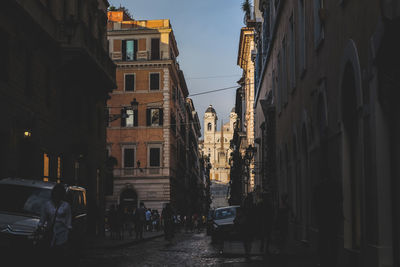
(210, 129)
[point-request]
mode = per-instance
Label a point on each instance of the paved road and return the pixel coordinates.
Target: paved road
(187, 249)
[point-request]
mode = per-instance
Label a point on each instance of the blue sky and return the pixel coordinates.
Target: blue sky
(207, 33)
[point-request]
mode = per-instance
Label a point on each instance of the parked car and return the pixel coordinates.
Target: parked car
(21, 202)
(223, 223)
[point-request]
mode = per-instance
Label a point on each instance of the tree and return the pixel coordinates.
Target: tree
(246, 7)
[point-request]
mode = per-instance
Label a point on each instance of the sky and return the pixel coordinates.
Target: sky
(207, 33)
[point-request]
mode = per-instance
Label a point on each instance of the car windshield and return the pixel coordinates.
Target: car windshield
(225, 213)
(23, 199)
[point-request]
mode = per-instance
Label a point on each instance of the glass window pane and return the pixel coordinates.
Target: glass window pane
(129, 82)
(154, 81)
(130, 119)
(155, 117)
(154, 157)
(129, 50)
(129, 157)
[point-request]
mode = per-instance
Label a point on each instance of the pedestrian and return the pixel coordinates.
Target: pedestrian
(266, 222)
(120, 222)
(148, 220)
(140, 220)
(327, 200)
(56, 215)
(130, 221)
(167, 217)
(112, 219)
(282, 221)
(245, 221)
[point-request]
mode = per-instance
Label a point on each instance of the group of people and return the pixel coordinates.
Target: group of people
(122, 220)
(270, 222)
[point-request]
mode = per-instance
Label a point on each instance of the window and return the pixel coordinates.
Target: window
(318, 26)
(129, 82)
(59, 168)
(131, 118)
(129, 157)
(154, 117)
(46, 167)
(155, 49)
(302, 38)
(209, 125)
(154, 81)
(155, 156)
(129, 50)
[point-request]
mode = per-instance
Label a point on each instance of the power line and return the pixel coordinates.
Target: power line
(216, 90)
(212, 77)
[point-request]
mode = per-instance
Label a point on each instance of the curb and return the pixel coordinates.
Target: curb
(124, 244)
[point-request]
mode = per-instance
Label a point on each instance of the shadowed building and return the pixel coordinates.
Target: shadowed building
(327, 76)
(55, 75)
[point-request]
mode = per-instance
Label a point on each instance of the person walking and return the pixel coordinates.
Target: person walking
(245, 222)
(266, 222)
(56, 215)
(140, 220)
(148, 220)
(167, 217)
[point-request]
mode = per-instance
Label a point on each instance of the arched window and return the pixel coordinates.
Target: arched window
(209, 126)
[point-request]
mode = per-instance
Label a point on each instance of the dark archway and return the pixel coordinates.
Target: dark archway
(129, 199)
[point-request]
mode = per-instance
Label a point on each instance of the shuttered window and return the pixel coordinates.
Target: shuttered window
(154, 116)
(129, 50)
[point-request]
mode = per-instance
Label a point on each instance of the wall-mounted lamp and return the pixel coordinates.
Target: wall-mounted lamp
(27, 133)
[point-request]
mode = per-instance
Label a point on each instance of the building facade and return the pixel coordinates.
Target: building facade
(55, 76)
(325, 111)
(149, 141)
(216, 146)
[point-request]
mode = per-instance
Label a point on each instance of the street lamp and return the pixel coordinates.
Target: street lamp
(250, 151)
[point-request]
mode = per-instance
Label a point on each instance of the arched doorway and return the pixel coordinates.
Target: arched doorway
(351, 169)
(128, 199)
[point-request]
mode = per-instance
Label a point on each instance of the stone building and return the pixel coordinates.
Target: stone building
(55, 75)
(216, 145)
(149, 140)
(327, 74)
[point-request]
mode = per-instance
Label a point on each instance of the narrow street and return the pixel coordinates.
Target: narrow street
(189, 249)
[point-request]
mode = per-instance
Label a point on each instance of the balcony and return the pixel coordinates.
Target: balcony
(139, 173)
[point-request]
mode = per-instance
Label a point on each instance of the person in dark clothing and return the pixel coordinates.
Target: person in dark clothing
(245, 220)
(329, 214)
(265, 210)
(112, 220)
(167, 217)
(140, 220)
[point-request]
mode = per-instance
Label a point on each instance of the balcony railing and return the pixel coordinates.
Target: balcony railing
(141, 172)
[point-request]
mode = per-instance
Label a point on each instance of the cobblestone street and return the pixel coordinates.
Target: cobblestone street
(189, 249)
